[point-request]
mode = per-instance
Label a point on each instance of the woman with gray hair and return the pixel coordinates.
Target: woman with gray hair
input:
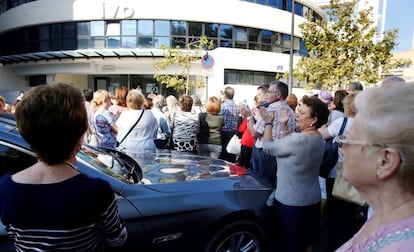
(379, 163)
(163, 131)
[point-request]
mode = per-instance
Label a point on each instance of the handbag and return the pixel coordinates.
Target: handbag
(330, 154)
(133, 126)
(234, 145)
(343, 190)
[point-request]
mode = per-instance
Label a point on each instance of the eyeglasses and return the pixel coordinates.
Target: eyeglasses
(342, 140)
(272, 91)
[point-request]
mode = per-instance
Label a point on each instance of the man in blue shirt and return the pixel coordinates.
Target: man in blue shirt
(230, 111)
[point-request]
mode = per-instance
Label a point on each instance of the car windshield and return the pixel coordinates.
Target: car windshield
(111, 162)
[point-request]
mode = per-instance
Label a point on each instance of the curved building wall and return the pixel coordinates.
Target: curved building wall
(233, 12)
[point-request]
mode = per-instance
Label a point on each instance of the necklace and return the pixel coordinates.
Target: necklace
(70, 165)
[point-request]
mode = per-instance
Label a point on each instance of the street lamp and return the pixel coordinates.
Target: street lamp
(292, 30)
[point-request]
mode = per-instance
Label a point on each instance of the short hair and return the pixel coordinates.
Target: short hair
(213, 105)
(159, 101)
(389, 120)
(281, 87)
(355, 86)
(319, 109)
(88, 94)
(349, 104)
(135, 99)
(171, 100)
(292, 101)
(52, 118)
(229, 93)
(185, 102)
(120, 95)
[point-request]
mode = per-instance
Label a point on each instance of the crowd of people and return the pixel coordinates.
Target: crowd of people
(282, 141)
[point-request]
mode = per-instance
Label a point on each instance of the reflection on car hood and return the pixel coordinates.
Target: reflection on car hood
(171, 167)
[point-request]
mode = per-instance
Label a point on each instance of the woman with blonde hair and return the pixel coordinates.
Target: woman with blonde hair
(103, 121)
(137, 126)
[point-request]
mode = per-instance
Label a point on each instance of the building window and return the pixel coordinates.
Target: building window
(128, 33)
(244, 77)
(145, 33)
(162, 33)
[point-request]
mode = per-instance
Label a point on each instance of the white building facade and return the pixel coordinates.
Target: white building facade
(106, 43)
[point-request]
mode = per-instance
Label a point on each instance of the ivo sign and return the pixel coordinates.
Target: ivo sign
(117, 11)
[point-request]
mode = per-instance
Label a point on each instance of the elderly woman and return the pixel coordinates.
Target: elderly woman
(344, 218)
(103, 121)
(298, 156)
(185, 126)
(379, 163)
(137, 126)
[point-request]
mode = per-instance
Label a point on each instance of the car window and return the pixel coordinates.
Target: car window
(13, 160)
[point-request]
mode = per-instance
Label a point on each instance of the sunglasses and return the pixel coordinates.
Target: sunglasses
(342, 140)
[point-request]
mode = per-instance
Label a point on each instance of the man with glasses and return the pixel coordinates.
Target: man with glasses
(262, 162)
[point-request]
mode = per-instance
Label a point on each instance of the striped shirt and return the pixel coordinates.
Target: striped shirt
(78, 214)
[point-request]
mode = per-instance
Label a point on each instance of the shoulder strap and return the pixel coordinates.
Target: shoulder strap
(133, 126)
(343, 126)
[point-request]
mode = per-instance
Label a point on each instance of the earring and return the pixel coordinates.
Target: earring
(311, 125)
(378, 174)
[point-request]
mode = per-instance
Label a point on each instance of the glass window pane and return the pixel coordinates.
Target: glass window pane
(178, 42)
(113, 42)
(162, 28)
(245, 77)
(145, 42)
(56, 31)
(226, 43)
(178, 28)
(44, 32)
(83, 29)
(253, 35)
(230, 77)
(97, 28)
(145, 27)
(129, 42)
(266, 37)
(129, 27)
(98, 42)
(83, 43)
(226, 31)
(240, 34)
(211, 30)
(113, 29)
(69, 44)
(286, 41)
(69, 30)
(239, 44)
(162, 41)
(195, 29)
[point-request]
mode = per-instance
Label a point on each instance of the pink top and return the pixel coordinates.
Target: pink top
(116, 109)
(397, 236)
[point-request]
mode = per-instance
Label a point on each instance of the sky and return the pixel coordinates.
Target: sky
(400, 15)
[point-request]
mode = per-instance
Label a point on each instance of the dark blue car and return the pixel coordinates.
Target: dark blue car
(170, 201)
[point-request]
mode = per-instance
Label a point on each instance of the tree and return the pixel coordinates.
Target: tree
(182, 58)
(341, 49)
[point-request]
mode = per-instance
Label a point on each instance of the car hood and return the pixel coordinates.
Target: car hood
(174, 167)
